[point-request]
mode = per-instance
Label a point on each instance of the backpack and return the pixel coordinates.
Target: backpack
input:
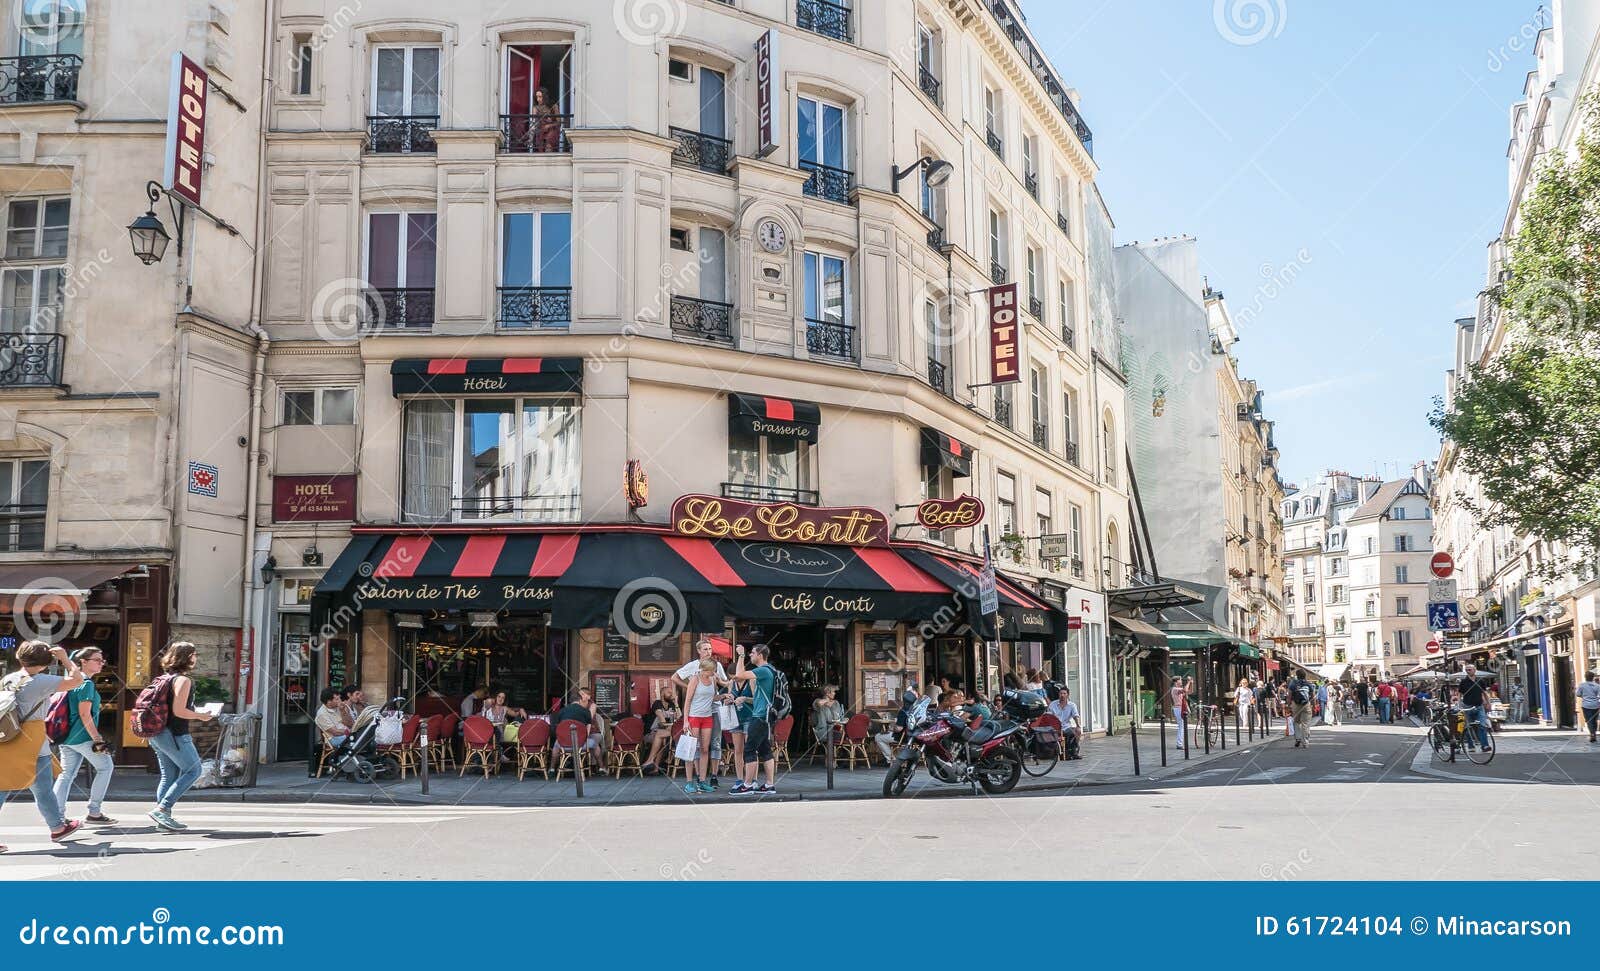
(781, 704)
(1302, 693)
(58, 718)
(11, 719)
(153, 709)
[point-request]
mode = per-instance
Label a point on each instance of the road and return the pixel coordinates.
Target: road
(1358, 804)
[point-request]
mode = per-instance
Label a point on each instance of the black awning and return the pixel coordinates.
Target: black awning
(780, 417)
(487, 375)
(1022, 616)
(941, 451)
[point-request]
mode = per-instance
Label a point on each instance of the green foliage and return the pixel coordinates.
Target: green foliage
(1526, 422)
(207, 690)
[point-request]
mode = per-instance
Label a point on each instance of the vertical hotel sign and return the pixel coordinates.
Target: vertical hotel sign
(186, 129)
(769, 114)
(1003, 334)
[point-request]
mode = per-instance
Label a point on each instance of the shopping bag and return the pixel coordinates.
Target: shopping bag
(19, 758)
(688, 747)
(728, 716)
(508, 733)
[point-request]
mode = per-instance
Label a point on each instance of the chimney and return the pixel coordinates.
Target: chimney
(1423, 474)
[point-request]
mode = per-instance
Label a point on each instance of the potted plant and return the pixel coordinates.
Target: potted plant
(1011, 545)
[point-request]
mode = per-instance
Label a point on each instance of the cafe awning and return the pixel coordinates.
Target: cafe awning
(487, 375)
(1191, 641)
(940, 451)
(1022, 616)
(1145, 634)
(40, 587)
(779, 417)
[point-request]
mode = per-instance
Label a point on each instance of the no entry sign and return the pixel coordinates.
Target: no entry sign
(1432, 647)
(1443, 565)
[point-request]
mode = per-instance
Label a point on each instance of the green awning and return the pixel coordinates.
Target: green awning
(1191, 641)
(1249, 650)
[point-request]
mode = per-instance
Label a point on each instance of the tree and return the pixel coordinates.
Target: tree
(1526, 421)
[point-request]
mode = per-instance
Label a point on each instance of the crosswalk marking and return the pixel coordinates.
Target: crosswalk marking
(1273, 774)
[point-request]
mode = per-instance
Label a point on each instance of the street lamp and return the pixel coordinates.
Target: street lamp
(936, 172)
(149, 237)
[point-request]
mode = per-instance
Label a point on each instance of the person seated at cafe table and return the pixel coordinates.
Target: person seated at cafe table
(826, 712)
(471, 704)
(1066, 712)
(583, 711)
(664, 713)
(330, 718)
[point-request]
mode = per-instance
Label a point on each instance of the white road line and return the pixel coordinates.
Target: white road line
(1273, 774)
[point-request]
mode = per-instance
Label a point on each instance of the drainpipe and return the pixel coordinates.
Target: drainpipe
(248, 578)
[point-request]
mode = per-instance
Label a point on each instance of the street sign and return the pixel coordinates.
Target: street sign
(1433, 647)
(1444, 616)
(1055, 546)
(1472, 608)
(988, 592)
(1443, 565)
(1441, 591)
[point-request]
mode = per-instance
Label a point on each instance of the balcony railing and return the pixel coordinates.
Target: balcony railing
(750, 492)
(1002, 412)
(995, 144)
(706, 320)
(822, 17)
(827, 182)
(939, 378)
(541, 134)
(1041, 434)
(1072, 453)
(401, 134)
(1036, 308)
(708, 153)
(928, 83)
(936, 237)
(31, 360)
(21, 528)
(1069, 336)
(1011, 23)
(1063, 224)
(831, 338)
(552, 508)
(535, 307)
(1030, 181)
(35, 78)
(997, 273)
(397, 308)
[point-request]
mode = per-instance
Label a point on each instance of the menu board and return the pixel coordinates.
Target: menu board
(883, 689)
(880, 648)
(338, 662)
(608, 693)
(616, 647)
(668, 650)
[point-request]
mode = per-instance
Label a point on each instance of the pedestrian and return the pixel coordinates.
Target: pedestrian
(1362, 689)
(1519, 703)
(1264, 704)
(84, 742)
(1589, 698)
(762, 678)
(1301, 696)
(1322, 701)
(1180, 708)
(1243, 698)
(1402, 696)
(26, 767)
(700, 714)
(681, 679)
(175, 751)
(1385, 699)
(1337, 699)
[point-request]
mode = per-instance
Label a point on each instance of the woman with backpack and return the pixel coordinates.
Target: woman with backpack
(83, 742)
(24, 700)
(175, 751)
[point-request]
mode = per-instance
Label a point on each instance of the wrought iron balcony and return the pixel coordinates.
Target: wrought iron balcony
(36, 78)
(995, 144)
(1036, 308)
(939, 378)
(401, 134)
(929, 84)
(535, 307)
(822, 17)
(1030, 181)
(1063, 224)
(1072, 453)
(1011, 23)
(708, 153)
(1041, 434)
(936, 237)
(21, 528)
(997, 273)
(1069, 336)
(1002, 412)
(31, 360)
(705, 320)
(751, 492)
(827, 182)
(541, 134)
(831, 338)
(396, 308)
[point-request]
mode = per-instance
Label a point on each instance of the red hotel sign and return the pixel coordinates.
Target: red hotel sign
(313, 498)
(1004, 337)
(186, 129)
(710, 517)
(768, 114)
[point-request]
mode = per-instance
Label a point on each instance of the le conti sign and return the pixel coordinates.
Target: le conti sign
(950, 513)
(711, 517)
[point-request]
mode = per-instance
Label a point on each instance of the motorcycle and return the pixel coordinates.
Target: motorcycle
(955, 752)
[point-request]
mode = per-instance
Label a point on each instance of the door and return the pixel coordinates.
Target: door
(713, 265)
(821, 134)
(297, 703)
(713, 103)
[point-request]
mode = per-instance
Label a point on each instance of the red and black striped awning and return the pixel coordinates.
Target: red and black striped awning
(1022, 616)
(779, 417)
(487, 375)
(940, 451)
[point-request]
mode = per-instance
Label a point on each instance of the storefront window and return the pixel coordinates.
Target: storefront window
(477, 460)
(770, 467)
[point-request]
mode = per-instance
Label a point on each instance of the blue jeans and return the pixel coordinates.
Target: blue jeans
(1477, 726)
(44, 797)
(180, 766)
(72, 757)
(1383, 711)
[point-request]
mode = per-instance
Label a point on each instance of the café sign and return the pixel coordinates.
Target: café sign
(956, 513)
(313, 498)
(712, 517)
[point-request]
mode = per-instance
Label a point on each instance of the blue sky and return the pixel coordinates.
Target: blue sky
(1354, 148)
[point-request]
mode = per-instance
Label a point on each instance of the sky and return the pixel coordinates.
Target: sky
(1343, 166)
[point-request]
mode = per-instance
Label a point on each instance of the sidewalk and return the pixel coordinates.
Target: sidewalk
(1106, 761)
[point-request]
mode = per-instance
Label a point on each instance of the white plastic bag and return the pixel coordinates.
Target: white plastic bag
(391, 728)
(688, 747)
(728, 716)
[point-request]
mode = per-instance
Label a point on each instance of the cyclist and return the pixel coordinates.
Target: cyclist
(1474, 705)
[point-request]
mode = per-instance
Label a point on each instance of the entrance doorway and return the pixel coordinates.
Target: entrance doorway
(447, 658)
(811, 655)
(948, 657)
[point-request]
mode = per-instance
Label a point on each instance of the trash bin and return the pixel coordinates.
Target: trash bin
(231, 762)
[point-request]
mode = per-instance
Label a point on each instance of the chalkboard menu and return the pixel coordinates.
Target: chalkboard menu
(608, 693)
(668, 650)
(338, 662)
(880, 648)
(616, 647)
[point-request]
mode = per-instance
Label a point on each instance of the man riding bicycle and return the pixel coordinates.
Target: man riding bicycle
(1474, 705)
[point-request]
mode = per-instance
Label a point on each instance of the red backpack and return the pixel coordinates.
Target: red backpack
(58, 718)
(153, 708)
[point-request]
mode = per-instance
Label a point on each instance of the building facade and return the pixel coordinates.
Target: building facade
(518, 258)
(1317, 578)
(1390, 543)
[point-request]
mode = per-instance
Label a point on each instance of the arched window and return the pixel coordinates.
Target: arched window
(1115, 570)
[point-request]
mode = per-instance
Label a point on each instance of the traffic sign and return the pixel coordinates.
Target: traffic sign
(1472, 608)
(1433, 647)
(1443, 565)
(1441, 591)
(1444, 616)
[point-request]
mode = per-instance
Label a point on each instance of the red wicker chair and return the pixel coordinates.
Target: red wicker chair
(533, 746)
(478, 746)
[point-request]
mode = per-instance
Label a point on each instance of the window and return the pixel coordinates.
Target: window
(297, 592)
(401, 250)
(1064, 204)
(1109, 428)
(1338, 594)
(928, 61)
(1399, 512)
(1040, 407)
(1069, 424)
(713, 264)
(538, 101)
(1372, 607)
(937, 483)
(992, 112)
(536, 268)
(1035, 303)
(827, 287)
(1311, 593)
(1004, 399)
(46, 27)
(24, 494)
(821, 134)
(1043, 509)
(405, 82)
(1065, 309)
(1006, 500)
(1338, 625)
(678, 239)
(1402, 574)
(1372, 545)
(322, 406)
(1402, 543)
(1336, 568)
(1402, 605)
(679, 70)
(997, 245)
(492, 459)
(33, 271)
(1372, 643)
(1030, 164)
(1075, 529)
(769, 468)
(1402, 641)
(301, 60)
(930, 198)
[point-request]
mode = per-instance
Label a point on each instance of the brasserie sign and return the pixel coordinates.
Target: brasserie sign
(712, 517)
(958, 513)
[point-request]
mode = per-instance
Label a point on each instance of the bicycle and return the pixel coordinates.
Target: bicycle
(1447, 732)
(1209, 726)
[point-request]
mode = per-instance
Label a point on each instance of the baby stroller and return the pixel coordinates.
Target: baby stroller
(358, 756)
